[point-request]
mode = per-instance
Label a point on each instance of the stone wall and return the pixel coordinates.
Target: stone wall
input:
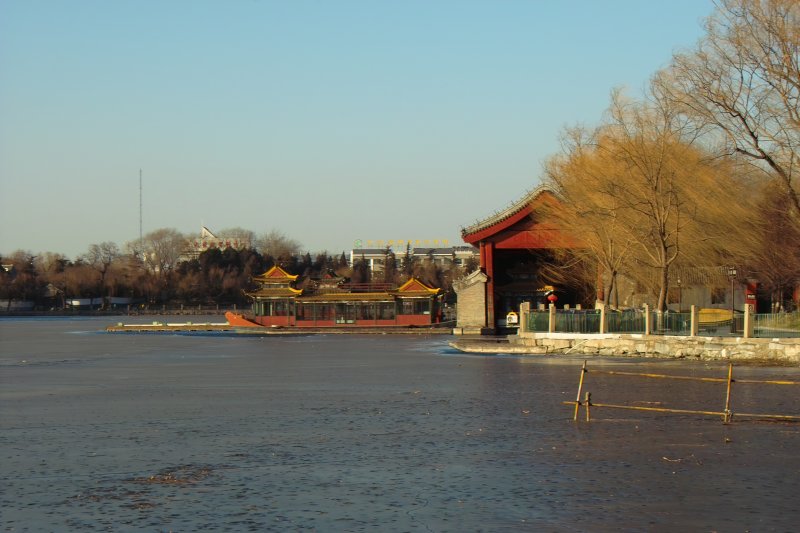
(706, 348)
(471, 310)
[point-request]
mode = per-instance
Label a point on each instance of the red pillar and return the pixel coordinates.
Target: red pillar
(489, 270)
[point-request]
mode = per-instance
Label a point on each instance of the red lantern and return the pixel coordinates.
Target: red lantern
(552, 298)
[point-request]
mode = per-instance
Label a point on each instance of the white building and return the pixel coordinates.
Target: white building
(209, 241)
(443, 257)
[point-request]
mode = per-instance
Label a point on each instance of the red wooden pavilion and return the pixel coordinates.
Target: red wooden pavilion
(514, 244)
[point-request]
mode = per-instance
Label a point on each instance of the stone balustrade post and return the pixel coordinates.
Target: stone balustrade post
(551, 324)
(524, 313)
(748, 322)
(647, 327)
(694, 328)
(602, 318)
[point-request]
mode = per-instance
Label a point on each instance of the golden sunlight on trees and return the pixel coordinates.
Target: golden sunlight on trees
(641, 197)
(590, 210)
(742, 86)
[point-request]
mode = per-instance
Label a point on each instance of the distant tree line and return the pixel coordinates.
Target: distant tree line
(156, 271)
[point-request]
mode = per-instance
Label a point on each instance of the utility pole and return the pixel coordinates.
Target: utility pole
(141, 248)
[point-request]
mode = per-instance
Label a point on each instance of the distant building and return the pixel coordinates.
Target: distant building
(443, 257)
(209, 241)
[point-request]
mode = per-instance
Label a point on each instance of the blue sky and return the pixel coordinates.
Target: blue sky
(326, 121)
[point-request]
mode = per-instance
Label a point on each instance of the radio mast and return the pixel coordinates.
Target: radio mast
(141, 248)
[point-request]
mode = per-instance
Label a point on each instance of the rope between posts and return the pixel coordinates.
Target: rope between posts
(726, 414)
(658, 376)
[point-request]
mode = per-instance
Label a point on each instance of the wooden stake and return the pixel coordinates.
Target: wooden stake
(580, 389)
(588, 402)
(728, 415)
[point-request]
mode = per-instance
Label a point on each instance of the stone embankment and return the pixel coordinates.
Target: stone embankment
(163, 327)
(779, 350)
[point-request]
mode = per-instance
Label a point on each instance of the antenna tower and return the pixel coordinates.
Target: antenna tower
(140, 212)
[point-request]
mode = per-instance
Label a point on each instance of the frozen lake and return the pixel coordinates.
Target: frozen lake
(154, 432)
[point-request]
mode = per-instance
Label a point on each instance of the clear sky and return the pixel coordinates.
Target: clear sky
(328, 121)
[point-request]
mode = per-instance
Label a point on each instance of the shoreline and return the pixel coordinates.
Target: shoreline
(777, 351)
(782, 351)
(114, 312)
(164, 327)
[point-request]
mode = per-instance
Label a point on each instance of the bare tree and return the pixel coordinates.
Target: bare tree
(772, 254)
(238, 233)
(51, 268)
(80, 279)
(162, 250)
(279, 246)
(590, 208)
(21, 282)
(742, 84)
(102, 257)
(639, 196)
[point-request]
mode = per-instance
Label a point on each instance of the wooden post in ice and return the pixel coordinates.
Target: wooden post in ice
(694, 328)
(728, 414)
(647, 327)
(588, 403)
(580, 389)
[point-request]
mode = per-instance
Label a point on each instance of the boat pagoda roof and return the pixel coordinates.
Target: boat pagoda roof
(277, 292)
(275, 274)
(416, 287)
(347, 297)
(413, 288)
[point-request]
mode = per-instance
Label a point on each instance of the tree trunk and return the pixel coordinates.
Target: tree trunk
(662, 293)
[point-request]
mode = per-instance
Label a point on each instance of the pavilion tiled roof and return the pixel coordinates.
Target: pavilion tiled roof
(508, 212)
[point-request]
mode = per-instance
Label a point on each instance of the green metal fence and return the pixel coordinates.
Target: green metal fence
(777, 325)
(578, 321)
(669, 323)
(538, 321)
(625, 321)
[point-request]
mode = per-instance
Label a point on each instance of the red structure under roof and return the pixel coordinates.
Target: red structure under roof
(511, 243)
(516, 228)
